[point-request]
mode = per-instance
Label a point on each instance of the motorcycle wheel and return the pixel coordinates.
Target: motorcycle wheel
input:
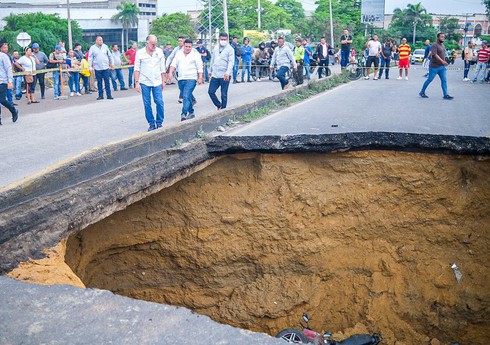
(292, 335)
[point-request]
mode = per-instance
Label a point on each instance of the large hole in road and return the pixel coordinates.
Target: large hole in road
(359, 238)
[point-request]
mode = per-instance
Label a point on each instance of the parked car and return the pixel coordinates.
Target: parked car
(417, 56)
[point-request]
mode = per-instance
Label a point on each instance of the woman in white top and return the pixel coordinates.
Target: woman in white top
(28, 64)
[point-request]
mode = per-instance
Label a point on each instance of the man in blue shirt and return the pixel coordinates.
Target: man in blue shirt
(308, 54)
(427, 57)
(204, 57)
(247, 52)
(100, 59)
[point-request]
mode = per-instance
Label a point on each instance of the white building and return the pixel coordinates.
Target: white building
(93, 16)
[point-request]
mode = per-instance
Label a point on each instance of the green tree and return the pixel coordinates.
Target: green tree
(450, 26)
(45, 29)
(405, 22)
(346, 14)
(170, 26)
(299, 24)
(128, 17)
(487, 6)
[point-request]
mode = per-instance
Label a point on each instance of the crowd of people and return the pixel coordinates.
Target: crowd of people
(153, 67)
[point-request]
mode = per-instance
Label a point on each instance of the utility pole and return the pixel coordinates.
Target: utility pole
(331, 25)
(210, 32)
(259, 9)
(70, 40)
(225, 16)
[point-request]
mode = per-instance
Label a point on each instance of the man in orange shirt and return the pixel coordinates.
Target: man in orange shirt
(404, 51)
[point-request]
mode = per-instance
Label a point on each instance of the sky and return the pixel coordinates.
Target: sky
(432, 6)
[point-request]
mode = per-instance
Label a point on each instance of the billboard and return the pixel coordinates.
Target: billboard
(373, 11)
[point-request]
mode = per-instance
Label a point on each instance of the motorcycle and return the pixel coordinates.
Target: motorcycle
(308, 335)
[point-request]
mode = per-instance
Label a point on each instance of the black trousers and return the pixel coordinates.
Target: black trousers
(323, 67)
(42, 86)
(4, 101)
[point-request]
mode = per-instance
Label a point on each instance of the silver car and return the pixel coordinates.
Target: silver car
(417, 56)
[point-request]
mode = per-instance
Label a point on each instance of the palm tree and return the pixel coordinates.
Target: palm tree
(128, 17)
(415, 14)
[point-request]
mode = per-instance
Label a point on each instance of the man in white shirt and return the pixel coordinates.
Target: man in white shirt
(150, 78)
(188, 64)
(374, 47)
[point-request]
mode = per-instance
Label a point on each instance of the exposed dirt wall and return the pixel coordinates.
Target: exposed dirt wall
(360, 239)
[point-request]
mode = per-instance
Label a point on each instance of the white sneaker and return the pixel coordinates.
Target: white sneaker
(466, 79)
(79, 94)
(366, 77)
(375, 78)
(406, 78)
(399, 78)
(258, 79)
(72, 94)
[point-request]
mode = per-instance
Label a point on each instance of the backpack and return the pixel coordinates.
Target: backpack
(208, 55)
(462, 54)
(51, 65)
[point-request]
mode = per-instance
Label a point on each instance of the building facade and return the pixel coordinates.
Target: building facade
(93, 16)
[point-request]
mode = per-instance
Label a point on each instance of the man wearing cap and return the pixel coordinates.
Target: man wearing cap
(55, 59)
(6, 82)
(43, 61)
(100, 59)
(482, 60)
(204, 57)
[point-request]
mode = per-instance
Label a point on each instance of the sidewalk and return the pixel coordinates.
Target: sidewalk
(57, 130)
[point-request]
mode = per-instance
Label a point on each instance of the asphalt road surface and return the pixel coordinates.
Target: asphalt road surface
(386, 105)
(54, 131)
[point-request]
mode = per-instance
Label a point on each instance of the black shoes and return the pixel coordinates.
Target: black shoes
(124, 88)
(184, 117)
(99, 98)
(151, 128)
(110, 97)
(423, 95)
(448, 97)
(15, 116)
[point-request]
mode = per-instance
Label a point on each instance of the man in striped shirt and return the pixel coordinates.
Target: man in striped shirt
(482, 60)
(404, 51)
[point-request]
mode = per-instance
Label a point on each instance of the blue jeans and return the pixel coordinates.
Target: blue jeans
(74, 82)
(307, 71)
(130, 78)
(214, 84)
(466, 69)
(246, 65)
(85, 82)
(384, 63)
(18, 87)
(103, 75)
(344, 57)
(117, 74)
(56, 83)
(281, 75)
(441, 72)
(480, 66)
(235, 68)
(206, 74)
(146, 92)
(186, 88)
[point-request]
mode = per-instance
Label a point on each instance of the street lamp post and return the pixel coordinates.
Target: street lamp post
(70, 40)
(259, 10)
(331, 25)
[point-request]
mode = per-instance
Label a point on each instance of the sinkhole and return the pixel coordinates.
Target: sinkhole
(356, 239)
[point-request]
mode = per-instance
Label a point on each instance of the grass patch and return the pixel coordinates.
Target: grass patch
(314, 88)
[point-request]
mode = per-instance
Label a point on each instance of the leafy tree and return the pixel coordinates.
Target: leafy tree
(45, 29)
(298, 18)
(406, 21)
(487, 6)
(128, 17)
(346, 15)
(449, 26)
(170, 26)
